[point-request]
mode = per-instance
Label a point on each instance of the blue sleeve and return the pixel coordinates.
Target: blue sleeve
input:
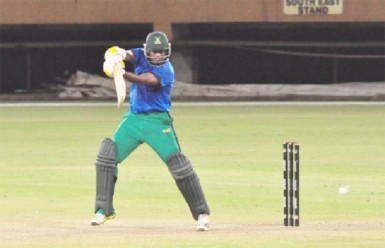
(165, 74)
(137, 53)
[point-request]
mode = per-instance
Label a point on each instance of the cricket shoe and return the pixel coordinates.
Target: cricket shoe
(203, 222)
(100, 217)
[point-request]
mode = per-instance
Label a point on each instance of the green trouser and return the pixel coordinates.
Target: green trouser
(154, 129)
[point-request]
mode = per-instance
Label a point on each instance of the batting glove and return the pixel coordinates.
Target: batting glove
(115, 53)
(108, 67)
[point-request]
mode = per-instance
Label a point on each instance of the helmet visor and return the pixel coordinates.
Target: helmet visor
(157, 57)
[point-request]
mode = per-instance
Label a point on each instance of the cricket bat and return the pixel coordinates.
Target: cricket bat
(120, 84)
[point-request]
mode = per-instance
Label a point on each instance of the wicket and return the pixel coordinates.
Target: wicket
(291, 183)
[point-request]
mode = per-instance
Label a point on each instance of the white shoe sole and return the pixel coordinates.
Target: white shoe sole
(202, 228)
(98, 220)
(101, 219)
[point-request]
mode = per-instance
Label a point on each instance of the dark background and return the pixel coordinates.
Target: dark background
(256, 53)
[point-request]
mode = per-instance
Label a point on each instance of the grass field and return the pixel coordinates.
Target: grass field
(47, 178)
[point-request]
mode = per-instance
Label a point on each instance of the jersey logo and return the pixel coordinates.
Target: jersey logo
(157, 40)
(166, 130)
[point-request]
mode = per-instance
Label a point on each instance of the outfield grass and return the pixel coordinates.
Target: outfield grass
(47, 178)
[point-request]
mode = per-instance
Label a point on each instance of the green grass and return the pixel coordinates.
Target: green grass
(47, 179)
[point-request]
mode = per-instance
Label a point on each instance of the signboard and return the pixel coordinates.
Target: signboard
(312, 7)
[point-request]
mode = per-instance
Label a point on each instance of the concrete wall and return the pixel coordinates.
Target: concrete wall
(163, 13)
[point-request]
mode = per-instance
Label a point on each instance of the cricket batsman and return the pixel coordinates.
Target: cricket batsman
(147, 121)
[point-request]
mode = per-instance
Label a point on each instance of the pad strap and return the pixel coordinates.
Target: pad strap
(188, 183)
